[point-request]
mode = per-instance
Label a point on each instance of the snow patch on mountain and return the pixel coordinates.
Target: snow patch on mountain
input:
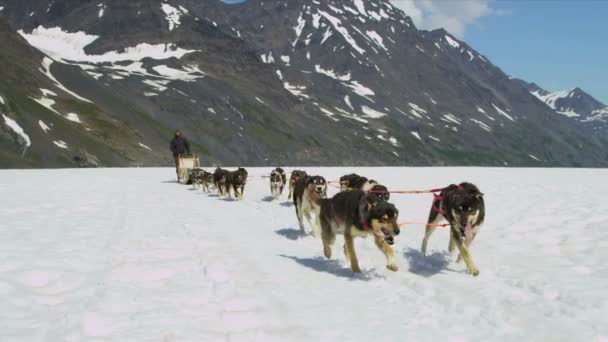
(360, 89)
(503, 113)
(46, 69)
(453, 43)
(482, 124)
(73, 117)
(14, 126)
(372, 113)
(417, 111)
(416, 135)
(337, 24)
(1, 100)
(43, 126)
(145, 146)
(191, 74)
(173, 15)
(61, 144)
(374, 36)
(451, 118)
(69, 46)
(332, 74)
(295, 89)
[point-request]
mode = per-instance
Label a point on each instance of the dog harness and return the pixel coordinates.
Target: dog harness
(438, 198)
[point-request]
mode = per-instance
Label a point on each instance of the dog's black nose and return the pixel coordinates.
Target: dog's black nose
(397, 231)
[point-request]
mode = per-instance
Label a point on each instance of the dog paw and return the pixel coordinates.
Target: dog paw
(327, 252)
(355, 269)
(392, 267)
(474, 272)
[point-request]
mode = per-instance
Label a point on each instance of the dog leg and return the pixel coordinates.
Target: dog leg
(464, 252)
(467, 244)
(425, 241)
(434, 218)
(328, 236)
(352, 257)
(300, 219)
(452, 246)
(388, 252)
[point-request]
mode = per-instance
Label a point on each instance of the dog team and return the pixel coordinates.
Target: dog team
(360, 209)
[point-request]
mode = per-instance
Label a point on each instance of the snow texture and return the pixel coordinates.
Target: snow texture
(46, 69)
(135, 256)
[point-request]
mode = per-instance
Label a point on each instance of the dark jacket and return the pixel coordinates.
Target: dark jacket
(180, 146)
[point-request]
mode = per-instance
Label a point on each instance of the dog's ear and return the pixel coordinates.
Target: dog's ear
(479, 195)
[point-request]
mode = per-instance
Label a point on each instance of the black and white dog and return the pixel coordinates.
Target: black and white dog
(463, 207)
(202, 179)
(278, 180)
(359, 214)
(236, 181)
(307, 195)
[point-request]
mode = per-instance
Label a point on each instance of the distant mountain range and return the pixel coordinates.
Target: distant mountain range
(285, 82)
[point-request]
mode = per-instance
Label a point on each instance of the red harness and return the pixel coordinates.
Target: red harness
(438, 198)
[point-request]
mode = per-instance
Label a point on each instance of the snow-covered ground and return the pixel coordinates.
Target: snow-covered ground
(129, 255)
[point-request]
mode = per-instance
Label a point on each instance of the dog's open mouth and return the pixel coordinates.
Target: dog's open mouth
(383, 233)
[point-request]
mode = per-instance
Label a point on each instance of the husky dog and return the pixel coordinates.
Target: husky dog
(193, 174)
(219, 180)
(202, 179)
(307, 197)
(358, 214)
(463, 207)
(236, 180)
(381, 191)
(295, 175)
(277, 182)
(355, 182)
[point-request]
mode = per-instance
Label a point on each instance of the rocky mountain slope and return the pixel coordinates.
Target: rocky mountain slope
(303, 82)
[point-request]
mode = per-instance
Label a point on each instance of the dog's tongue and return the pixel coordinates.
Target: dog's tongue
(468, 233)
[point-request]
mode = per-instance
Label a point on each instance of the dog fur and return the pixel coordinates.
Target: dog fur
(464, 209)
(295, 176)
(277, 182)
(202, 179)
(307, 195)
(358, 214)
(219, 180)
(236, 180)
(381, 191)
(355, 182)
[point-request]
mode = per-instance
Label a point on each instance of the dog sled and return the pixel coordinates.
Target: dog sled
(185, 165)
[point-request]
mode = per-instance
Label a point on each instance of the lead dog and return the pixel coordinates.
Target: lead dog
(358, 214)
(463, 207)
(307, 196)
(219, 180)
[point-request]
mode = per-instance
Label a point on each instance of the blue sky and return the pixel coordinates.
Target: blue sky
(559, 44)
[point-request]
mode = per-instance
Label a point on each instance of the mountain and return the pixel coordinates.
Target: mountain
(271, 82)
(575, 103)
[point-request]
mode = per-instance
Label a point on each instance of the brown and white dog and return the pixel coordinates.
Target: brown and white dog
(463, 207)
(359, 214)
(307, 196)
